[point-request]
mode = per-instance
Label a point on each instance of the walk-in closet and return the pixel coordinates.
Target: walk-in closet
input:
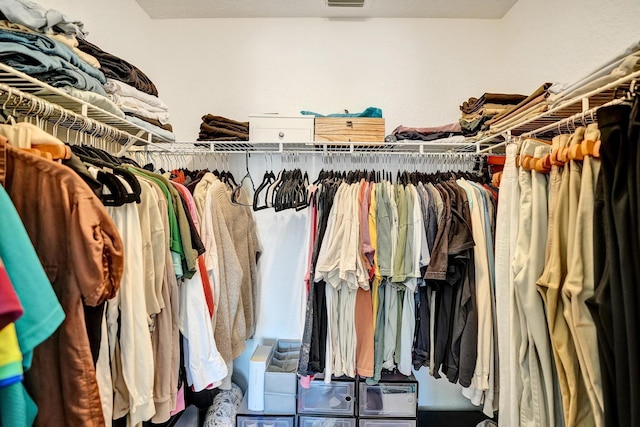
(310, 213)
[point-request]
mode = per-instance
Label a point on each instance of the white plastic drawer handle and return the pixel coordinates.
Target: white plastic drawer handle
(281, 134)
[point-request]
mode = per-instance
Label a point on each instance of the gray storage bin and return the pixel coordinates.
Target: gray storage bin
(307, 421)
(385, 422)
(279, 403)
(392, 399)
(336, 398)
(281, 375)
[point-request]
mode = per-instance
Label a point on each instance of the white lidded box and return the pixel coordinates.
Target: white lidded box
(281, 128)
(257, 367)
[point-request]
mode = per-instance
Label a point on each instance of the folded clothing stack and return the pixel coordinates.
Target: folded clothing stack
(47, 58)
(118, 69)
(145, 110)
(531, 106)
(48, 45)
(446, 133)
(217, 128)
(477, 111)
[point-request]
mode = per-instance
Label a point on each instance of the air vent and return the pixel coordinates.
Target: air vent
(345, 3)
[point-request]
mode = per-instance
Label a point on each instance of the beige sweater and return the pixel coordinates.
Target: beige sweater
(238, 248)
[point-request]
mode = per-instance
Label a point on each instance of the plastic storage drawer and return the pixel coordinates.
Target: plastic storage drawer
(279, 403)
(392, 399)
(336, 398)
(386, 422)
(305, 421)
(261, 421)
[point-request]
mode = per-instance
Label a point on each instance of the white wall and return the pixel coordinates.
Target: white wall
(417, 70)
(550, 40)
(235, 67)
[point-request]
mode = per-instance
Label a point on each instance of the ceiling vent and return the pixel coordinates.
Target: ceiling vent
(345, 3)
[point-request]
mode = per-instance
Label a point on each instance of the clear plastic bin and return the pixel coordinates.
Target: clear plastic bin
(392, 399)
(279, 403)
(260, 421)
(306, 421)
(385, 422)
(336, 398)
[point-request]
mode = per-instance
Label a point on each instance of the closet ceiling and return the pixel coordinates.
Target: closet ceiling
(472, 9)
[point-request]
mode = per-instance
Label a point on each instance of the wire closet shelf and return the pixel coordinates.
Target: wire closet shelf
(25, 95)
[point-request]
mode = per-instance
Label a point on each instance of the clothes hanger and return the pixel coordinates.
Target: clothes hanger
(238, 190)
(267, 180)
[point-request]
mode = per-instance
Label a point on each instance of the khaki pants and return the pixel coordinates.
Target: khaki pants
(579, 285)
(537, 406)
(572, 387)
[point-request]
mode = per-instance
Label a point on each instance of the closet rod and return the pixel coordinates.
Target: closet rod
(16, 102)
(231, 147)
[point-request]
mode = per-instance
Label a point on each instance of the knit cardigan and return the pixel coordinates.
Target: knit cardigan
(236, 244)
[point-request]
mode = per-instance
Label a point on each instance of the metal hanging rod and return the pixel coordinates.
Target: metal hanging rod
(399, 148)
(29, 85)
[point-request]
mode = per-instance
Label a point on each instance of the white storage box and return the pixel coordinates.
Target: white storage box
(336, 398)
(384, 422)
(280, 128)
(257, 367)
(388, 399)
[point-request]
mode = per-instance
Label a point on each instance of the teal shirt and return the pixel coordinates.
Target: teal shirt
(42, 311)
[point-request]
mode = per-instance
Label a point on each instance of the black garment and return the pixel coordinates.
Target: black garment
(421, 136)
(467, 318)
(457, 299)
(319, 331)
(119, 69)
(421, 344)
(312, 354)
(615, 303)
(81, 169)
(196, 241)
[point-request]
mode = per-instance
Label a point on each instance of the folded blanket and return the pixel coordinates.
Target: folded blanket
(122, 89)
(135, 106)
(166, 126)
(474, 104)
(36, 17)
(119, 69)
(369, 112)
(50, 69)
(68, 40)
(92, 98)
(451, 127)
(538, 95)
(41, 43)
(218, 128)
(164, 134)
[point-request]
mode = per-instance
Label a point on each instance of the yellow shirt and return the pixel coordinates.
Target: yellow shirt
(10, 356)
(373, 233)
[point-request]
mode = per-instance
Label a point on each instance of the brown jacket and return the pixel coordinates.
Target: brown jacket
(81, 251)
